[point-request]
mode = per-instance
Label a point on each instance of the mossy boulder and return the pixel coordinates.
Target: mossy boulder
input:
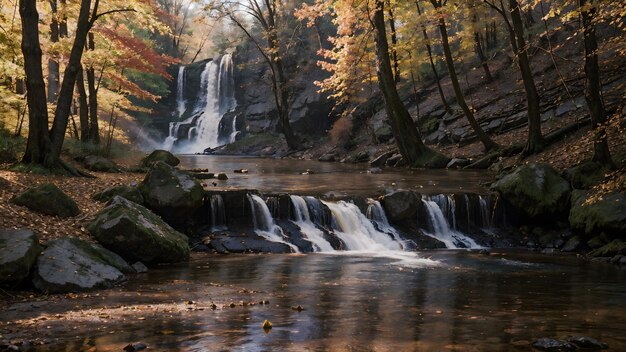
(400, 206)
(616, 247)
(47, 199)
(383, 134)
(98, 163)
(606, 214)
(536, 190)
(18, 252)
(73, 265)
(160, 155)
(431, 159)
(585, 175)
(137, 234)
(131, 193)
(173, 194)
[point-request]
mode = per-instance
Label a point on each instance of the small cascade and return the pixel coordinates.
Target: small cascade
(376, 213)
(440, 229)
(303, 220)
(216, 97)
(448, 207)
(217, 212)
(319, 214)
(357, 231)
(264, 224)
(485, 213)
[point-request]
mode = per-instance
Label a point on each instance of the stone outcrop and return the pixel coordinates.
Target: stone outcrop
(18, 252)
(160, 155)
(47, 199)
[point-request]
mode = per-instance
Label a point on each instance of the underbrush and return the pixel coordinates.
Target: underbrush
(11, 147)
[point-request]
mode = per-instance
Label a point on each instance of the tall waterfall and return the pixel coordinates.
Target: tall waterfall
(264, 224)
(357, 231)
(216, 97)
(303, 220)
(440, 229)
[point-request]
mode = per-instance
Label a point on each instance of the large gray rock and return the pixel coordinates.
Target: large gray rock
(47, 199)
(131, 193)
(137, 234)
(98, 163)
(160, 155)
(72, 265)
(18, 252)
(171, 193)
(535, 189)
(606, 214)
(401, 205)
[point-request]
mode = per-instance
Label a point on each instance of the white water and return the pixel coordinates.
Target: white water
(357, 231)
(218, 212)
(484, 212)
(442, 231)
(216, 97)
(264, 224)
(312, 233)
(376, 213)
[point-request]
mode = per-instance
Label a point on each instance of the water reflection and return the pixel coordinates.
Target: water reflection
(285, 175)
(468, 302)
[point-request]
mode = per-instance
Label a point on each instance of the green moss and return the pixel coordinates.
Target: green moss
(428, 125)
(33, 169)
(431, 159)
(609, 250)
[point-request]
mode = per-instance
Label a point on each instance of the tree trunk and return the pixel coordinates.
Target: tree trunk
(482, 57)
(535, 141)
(394, 43)
(593, 85)
(64, 103)
(429, 50)
(38, 146)
(482, 136)
(404, 130)
(94, 130)
(83, 107)
(53, 63)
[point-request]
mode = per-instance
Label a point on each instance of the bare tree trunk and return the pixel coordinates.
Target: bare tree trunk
(535, 141)
(429, 50)
(394, 43)
(53, 63)
(482, 57)
(94, 130)
(593, 85)
(482, 136)
(404, 130)
(38, 146)
(83, 107)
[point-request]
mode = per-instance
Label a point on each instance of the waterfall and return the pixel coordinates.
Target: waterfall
(448, 207)
(303, 220)
(217, 212)
(216, 98)
(376, 213)
(180, 90)
(484, 212)
(357, 231)
(440, 229)
(264, 224)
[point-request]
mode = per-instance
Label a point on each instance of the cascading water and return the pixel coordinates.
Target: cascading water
(357, 231)
(376, 213)
(484, 211)
(264, 224)
(217, 212)
(440, 230)
(303, 220)
(216, 98)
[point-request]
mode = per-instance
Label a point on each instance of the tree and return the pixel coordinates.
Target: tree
(487, 142)
(593, 88)
(266, 15)
(515, 28)
(404, 130)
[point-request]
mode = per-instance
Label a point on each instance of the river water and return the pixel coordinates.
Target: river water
(433, 301)
(307, 177)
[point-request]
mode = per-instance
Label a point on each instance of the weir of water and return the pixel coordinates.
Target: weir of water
(200, 128)
(264, 224)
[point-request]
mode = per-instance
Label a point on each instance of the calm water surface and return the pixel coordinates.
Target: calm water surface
(285, 175)
(457, 301)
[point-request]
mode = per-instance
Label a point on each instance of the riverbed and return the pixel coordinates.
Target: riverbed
(426, 301)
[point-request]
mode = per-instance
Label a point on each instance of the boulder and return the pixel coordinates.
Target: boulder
(18, 252)
(137, 234)
(535, 189)
(71, 265)
(605, 214)
(171, 193)
(244, 243)
(328, 157)
(458, 163)
(131, 193)
(160, 155)
(401, 205)
(222, 176)
(616, 247)
(383, 134)
(587, 343)
(395, 160)
(573, 244)
(98, 163)
(585, 175)
(380, 160)
(47, 199)
(552, 345)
